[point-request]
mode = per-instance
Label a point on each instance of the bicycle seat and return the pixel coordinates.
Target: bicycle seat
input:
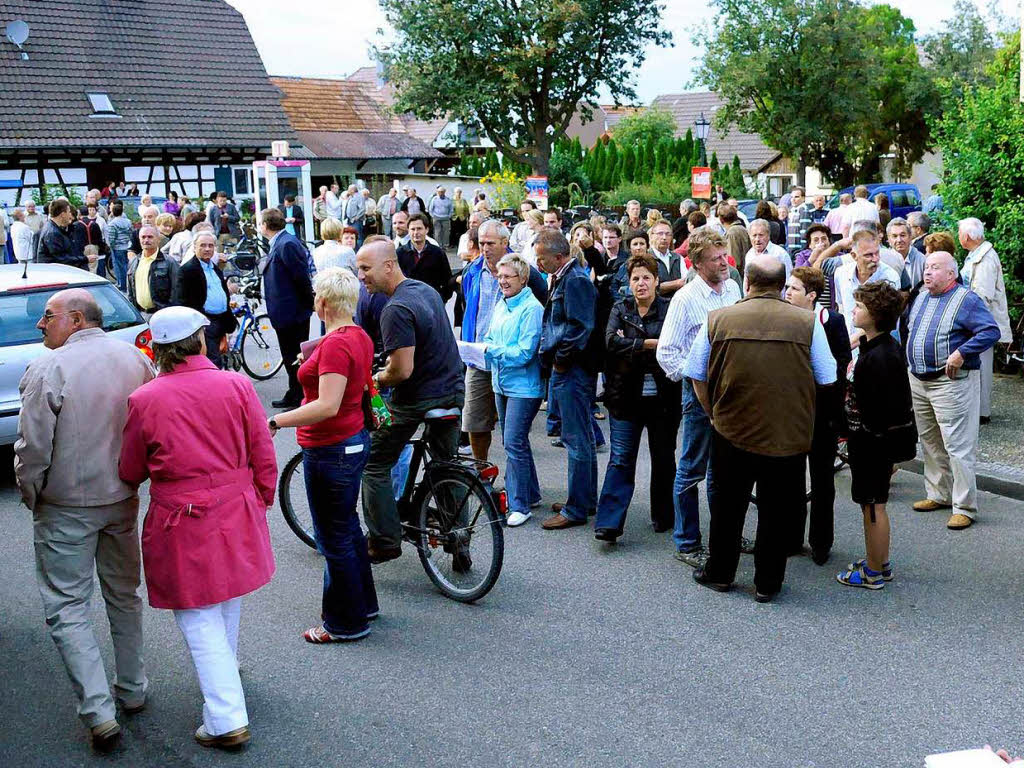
(443, 414)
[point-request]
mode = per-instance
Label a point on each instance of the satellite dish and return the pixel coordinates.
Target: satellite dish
(17, 33)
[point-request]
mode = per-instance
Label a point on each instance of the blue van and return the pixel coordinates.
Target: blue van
(903, 198)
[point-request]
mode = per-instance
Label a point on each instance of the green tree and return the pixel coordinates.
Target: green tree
(713, 164)
(960, 53)
(652, 123)
(647, 169)
(518, 70)
(792, 79)
(982, 145)
(628, 170)
(614, 164)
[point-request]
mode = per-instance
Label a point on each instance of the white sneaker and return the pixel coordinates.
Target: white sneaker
(517, 519)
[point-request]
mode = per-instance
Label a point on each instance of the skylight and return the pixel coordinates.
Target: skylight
(101, 104)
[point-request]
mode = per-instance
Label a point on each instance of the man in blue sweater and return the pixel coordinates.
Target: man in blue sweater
(949, 329)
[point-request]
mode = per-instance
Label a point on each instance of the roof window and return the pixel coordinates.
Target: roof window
(101, 105)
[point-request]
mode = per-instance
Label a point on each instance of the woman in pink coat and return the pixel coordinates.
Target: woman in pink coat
(200, 435)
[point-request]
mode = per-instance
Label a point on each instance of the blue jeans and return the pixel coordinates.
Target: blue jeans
(572, 391)
(515, 415)
(332, 474)
(119, 263)
(620, 475)
(554, 420)
(693, 467)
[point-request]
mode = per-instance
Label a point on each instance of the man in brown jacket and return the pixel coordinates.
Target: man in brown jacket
(736, 237)
(74, 403)
(754, 366)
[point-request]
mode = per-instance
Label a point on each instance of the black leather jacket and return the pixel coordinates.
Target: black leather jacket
(627, 362)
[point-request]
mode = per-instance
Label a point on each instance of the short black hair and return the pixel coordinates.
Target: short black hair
(420, 217)
(816, 228)
(558, 213)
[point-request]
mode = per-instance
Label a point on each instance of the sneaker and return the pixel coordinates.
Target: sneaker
(517, 518)
(887, 574)
(746, 546)
(695, 558)
(860, 577)
(465, 450)
(557, 442)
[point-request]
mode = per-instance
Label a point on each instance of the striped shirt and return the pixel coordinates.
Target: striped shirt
(799, 221)
(940, 325)
(687, 313)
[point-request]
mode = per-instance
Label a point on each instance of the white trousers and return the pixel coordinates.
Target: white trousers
(987, 362)
(946, 411)
(211, 634)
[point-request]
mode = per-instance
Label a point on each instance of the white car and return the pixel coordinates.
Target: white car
(22, 301)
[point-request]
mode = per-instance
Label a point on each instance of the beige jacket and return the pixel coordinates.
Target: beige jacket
(983, 273)
(74, 403)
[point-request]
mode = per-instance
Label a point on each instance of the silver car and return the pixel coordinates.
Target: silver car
(22, 300)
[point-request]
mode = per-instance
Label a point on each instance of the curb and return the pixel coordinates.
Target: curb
(993, 478)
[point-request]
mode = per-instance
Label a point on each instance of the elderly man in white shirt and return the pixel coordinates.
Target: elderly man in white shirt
(21, 236)
(866, 267)
(760, 238)
(983, 273)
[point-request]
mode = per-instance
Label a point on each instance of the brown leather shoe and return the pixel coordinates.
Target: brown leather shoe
(382, 554)
(557, 507)
(229, 740)
(957, 522)
(105, 735)
(560, 521)
(930, 505)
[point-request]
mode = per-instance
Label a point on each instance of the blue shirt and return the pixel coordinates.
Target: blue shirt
(290, 226)
(489, 295)
(216, 300)
(822, 362)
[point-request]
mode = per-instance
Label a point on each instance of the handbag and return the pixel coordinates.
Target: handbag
(901, 442)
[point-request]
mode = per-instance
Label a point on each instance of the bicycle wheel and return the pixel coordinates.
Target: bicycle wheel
(459, 541)
(291, 494)
(261, 352)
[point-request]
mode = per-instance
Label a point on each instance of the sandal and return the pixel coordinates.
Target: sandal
(320, 636)
(887, 573)
(859, 577)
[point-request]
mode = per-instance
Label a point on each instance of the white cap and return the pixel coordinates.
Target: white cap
(175, 323)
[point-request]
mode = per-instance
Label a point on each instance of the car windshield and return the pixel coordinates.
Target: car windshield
(20, 311)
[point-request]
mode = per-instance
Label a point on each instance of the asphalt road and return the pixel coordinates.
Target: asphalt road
(583, 655)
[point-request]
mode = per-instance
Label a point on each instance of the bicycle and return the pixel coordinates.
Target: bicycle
(449, 512)
(1009, 358)
(255, 346)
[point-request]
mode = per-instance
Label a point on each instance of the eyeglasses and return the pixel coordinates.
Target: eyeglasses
(48, 316)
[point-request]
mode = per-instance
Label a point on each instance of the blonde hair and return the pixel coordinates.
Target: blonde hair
(654, 215)
(330, 229)
(533, 216)
(518, 263)
(339, 289)
(166, 218)
(775, 209)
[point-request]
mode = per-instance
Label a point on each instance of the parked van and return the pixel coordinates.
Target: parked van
(903, 198)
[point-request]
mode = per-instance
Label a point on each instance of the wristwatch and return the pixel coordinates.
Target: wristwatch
(273, 423)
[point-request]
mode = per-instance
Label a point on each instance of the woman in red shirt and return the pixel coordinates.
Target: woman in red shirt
(335, 446)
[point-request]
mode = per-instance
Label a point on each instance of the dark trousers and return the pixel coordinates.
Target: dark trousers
(780, 492)
(821, 460)
(620, 476)
(215, 333)
(332, 474)
(290, 337)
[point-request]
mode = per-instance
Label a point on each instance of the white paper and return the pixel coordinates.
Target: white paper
(472, 353)
(967, 758)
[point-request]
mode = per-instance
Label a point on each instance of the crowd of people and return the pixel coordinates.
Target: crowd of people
(766, 341)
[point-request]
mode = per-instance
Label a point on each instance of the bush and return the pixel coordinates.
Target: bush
(982, 144)
(41, 196)
(660, 190)
(565, 169)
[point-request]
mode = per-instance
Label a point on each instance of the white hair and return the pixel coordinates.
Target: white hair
(518, 263)
(339, 289)
(760, 224)
(496, 226)
(865, 225)
(972, 228)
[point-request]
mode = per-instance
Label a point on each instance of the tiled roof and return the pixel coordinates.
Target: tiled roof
(365, 145)
(333, 105)
(613, 114)
(686, 107)
(180, 73)
(426, 131)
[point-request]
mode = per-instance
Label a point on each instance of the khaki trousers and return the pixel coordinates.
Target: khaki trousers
(946, 411)
(69, 543)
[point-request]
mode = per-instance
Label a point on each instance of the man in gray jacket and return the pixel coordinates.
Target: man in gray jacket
(73, 408)
(441, 209)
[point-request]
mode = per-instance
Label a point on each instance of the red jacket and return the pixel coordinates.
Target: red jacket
(200, 435)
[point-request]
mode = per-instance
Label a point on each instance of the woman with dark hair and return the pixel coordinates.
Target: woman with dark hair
(171, 205)
(764, 211)
(694, 220)
(639, 396)
(200, 436)
(884, 214)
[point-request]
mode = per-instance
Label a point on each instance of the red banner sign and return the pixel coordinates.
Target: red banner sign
(701, 183)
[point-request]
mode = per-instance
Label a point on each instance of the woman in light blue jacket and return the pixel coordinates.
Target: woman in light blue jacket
(512, 340)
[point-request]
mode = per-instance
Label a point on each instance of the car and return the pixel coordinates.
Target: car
(24, 291)
(748, 208)
(903, 198)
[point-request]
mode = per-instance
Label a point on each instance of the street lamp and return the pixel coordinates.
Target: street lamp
(703, 127)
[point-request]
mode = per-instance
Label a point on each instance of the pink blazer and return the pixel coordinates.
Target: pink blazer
(200, 435)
